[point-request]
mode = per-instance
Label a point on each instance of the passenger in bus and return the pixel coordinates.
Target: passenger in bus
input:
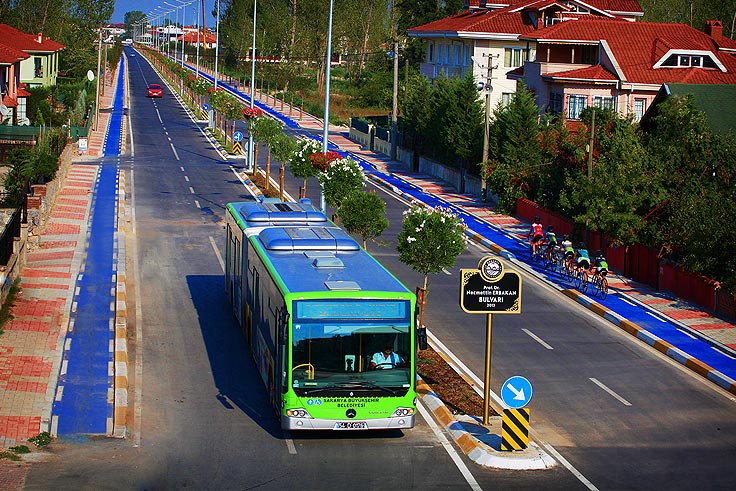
(386, 359)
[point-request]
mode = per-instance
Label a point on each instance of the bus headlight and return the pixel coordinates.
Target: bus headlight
(403, 411)
(298, 413)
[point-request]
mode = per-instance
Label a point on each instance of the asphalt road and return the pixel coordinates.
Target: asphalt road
(622, 415)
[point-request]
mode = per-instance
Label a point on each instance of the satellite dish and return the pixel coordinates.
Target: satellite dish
(90, 75)
(4, 109)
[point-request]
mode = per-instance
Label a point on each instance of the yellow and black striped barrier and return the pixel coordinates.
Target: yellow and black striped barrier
(237, 148)
(515, 429)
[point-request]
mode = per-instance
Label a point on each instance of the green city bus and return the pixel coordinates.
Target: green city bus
(315, 308)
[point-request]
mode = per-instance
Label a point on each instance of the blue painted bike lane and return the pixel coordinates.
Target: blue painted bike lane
(86, 404)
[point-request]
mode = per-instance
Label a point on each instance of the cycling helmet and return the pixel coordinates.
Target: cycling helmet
(597, 253)
(581, 245)
(536, 219)
(565, 237)
(550, 228)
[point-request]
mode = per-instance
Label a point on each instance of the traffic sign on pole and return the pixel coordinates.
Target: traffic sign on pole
(238, 136)
(516, 392)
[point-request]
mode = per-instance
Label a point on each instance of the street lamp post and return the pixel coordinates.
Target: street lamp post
(211, 112)
(326, 131)
(252, 86)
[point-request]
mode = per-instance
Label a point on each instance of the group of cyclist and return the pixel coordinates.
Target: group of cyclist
(576, 257)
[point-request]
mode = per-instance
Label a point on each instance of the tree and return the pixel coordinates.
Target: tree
(364, 214)
(283, 148)
(620, 190)
(462, 127)
(265, 130)
(133, 17)
(343, 177)
(301, 166)
(430, 240)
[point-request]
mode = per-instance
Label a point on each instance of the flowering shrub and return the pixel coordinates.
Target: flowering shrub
(430, 239)
(323, 161)
(341, 178)
(301, 165)
(252, 112)
(199, 85)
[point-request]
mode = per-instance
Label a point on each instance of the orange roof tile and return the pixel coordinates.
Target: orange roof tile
(638, 46)
(28, 42)
(10, 55)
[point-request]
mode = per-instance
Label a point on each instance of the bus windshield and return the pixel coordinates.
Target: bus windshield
(329, 356)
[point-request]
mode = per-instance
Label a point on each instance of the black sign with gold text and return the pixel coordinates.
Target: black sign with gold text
(478, 295)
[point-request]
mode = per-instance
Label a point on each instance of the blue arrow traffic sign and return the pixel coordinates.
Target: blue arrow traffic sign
(205, 107)
(238, 136)
(516, 392)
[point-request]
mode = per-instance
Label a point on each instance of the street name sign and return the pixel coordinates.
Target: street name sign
(490, 289)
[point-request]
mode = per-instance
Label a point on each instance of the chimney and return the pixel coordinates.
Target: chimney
(714, 29)
(40, 38)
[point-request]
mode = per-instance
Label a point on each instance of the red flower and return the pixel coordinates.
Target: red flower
(252, 112)
(322, 161)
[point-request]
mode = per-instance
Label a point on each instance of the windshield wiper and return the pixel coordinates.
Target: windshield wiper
(350, 385)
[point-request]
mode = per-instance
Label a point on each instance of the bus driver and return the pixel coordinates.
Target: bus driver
(386, 359)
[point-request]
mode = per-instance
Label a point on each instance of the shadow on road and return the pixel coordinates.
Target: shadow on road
(233, 369)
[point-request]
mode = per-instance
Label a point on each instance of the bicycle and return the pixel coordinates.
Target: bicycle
(538, 255)
(600, 283)
(550, 258)
(581, 279)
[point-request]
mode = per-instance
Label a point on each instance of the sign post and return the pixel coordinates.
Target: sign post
(487, 290)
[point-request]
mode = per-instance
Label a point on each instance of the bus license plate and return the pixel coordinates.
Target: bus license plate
(351, 425)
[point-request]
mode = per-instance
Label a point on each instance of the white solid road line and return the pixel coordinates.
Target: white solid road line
(479, 384)
(449, 448)
(610, 391)
(537, 339)
(217, 253)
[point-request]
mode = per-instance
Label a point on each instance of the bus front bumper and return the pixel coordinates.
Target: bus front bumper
(398, 423)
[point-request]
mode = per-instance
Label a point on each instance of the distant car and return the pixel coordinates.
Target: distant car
(155, 90)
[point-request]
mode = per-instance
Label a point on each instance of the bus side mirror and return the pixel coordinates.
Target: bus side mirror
(422, 338)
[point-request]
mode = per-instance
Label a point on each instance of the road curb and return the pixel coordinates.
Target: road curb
(533, 458)
(121, 319)
(659, 344)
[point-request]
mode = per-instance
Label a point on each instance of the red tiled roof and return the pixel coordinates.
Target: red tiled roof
(9, 101)
(22, 92)
(502, 21)
(28, 42)
(638, 46)
(191, 37)
(594, 73)
(9, 55)
(628, 6)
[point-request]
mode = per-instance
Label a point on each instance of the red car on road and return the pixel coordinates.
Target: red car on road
(155, 90)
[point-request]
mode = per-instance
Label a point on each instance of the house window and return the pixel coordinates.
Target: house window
(21, 108)
(640, 106)
(555, 102)
(37, 68)
(430, 53)
(695, 61)
(506, 98)
(457, 54)
(467, 56)
(575, 105)
(514, 57)
(604, 102)
(684, 60)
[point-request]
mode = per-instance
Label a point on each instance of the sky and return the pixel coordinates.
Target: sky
(145, 6)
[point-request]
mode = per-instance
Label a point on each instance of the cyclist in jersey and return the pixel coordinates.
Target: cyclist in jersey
(582, 259)
(599, 264)
(551, 240)
(536, 233)
(568, 251)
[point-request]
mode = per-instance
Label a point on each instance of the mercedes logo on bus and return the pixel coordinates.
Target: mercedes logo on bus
(350, 413)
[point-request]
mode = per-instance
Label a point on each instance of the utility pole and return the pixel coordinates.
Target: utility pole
(97, 91)
(395, 105)
(487, 89)
(590, 146)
